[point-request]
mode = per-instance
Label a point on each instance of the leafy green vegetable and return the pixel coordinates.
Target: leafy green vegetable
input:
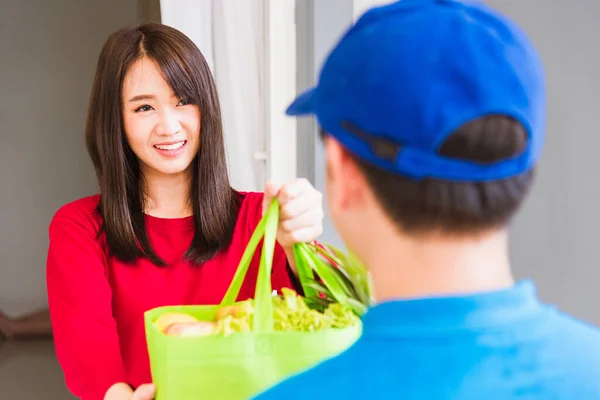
(338, 292)
(290, 313)
(341, 278)
(230, 324)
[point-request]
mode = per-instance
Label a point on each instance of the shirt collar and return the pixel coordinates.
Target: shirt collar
(431, 314)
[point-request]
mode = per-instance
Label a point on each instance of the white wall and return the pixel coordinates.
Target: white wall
(360, 6)
(555, 238)
(49, 51)
(319, 24)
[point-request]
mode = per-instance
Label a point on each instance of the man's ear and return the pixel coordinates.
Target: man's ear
(344, 177)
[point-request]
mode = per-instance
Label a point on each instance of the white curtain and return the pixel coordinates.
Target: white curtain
(230, 34)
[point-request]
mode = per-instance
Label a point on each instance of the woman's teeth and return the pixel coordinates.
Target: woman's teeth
(173, 146)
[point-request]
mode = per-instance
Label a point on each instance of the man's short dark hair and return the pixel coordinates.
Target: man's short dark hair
(450, 207)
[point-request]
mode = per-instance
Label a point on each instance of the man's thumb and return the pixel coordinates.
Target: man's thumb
(146, 391)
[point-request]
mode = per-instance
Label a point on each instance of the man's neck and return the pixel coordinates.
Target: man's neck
(405, 267)
(168, 196)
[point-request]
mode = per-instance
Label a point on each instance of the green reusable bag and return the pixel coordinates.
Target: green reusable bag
(241, 365)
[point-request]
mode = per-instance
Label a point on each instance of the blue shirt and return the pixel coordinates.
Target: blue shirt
(499, 345)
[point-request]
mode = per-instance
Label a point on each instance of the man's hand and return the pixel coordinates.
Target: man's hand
(122, 391)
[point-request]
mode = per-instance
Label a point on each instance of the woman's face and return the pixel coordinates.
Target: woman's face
(162, 130)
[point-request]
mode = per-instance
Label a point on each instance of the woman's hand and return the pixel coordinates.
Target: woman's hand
(300, 214)
(122, 391)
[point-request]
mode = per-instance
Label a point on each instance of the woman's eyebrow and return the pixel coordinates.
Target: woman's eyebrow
(142, 97)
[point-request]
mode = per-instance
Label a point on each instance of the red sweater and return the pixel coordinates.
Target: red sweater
(97, 303)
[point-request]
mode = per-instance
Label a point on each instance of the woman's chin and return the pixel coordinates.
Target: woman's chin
(171, 169)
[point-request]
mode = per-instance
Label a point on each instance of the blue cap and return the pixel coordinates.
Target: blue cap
(408, 74)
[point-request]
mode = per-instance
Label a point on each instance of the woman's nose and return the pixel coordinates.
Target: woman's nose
(168, 124)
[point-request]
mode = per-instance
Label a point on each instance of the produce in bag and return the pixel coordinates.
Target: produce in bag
(290, 313)
(235, 350)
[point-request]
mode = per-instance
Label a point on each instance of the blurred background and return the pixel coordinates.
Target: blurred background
(262, 52)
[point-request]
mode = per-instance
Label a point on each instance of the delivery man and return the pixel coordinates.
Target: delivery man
(433, 114)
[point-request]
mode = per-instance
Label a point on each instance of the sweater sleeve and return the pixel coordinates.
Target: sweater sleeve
(79, 299)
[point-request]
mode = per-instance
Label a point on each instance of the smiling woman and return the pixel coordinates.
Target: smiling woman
(164, 83)
(167, 227)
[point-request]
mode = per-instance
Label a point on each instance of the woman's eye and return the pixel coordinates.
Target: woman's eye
(184, 102)
(143, 108)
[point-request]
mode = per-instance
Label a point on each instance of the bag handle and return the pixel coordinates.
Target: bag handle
(238, 279)
(307, 263)
(263, 306)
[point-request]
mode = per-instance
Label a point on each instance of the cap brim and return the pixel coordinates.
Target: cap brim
(304, 104)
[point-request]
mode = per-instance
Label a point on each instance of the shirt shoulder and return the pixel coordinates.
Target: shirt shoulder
(583, 344)
(565, 355)
(83, 212)
(558, 346)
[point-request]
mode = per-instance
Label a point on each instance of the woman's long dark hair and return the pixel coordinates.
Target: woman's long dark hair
(121, 207)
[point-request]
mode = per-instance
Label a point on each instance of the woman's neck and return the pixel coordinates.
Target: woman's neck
(168, 196)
